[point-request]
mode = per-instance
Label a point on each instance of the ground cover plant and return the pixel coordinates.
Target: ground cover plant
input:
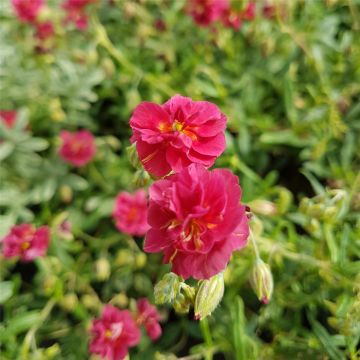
(179, 179)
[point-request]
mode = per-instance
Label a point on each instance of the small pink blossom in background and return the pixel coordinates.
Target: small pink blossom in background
(8, 117)
(206, 12)
(196, 220)
(114, 333)
(26, 241)
(44, 30)
(76, 12)
(130, 212)
(78, 148)
(232, 19)
(178, 133)
(27, 10)
(249, 13)
(148, 316)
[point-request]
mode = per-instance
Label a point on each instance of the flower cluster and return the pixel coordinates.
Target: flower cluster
(36, 13)
(26, 242)
(118, 330)
(208, 12)
(195, 216)
(76, 12)
(29, 12)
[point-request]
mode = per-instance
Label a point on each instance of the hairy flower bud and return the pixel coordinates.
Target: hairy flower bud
(208, 296)
(262, 281)
(166, 290)
(102, 267)
(182, 304)
(133, 156)
(141, 178)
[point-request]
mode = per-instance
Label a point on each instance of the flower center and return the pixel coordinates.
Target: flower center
(132, 214)
(108, 333)
(25, 245)
(186, 130)
(193, 232)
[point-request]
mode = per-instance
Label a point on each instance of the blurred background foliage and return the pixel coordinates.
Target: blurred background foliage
(290, 87)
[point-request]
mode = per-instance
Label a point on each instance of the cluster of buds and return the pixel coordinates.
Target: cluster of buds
(327, 207)
(204, 297)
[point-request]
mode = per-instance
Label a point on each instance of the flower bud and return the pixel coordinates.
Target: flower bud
(262, 281)
(140, 260)
(166, 290)
(69, 301)
(102, 268)
(66, 193)
(141, 178)
(182, 304)
(263, 207)
(208, 296)
(133, 156)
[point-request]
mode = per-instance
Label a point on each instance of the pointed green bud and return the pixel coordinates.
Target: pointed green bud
(133, 156)
(262, 281)
(208, 296)
(141, 178)
(182, 304)
(166, 290)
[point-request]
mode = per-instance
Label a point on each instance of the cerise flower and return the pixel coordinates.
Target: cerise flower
(26, 241)
(8, 117)
(178, 133)
(44, 30)
(76, 12)
(113, 334)
(148, 316)
(130, 212)
(197, 220)
(27, 11)
(77, 148)
(205, 12)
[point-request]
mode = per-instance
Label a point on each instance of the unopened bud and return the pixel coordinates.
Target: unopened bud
(120, 300)
(263, 207)
(124, 257)
(182, 304)
(66, 193)
(108, 67)
(208, 296)
(69, 301)
(141, 178)
(133, 156)
(166, 290)
(140, 260)
(102, 267)
(262, 281)
(90, 301)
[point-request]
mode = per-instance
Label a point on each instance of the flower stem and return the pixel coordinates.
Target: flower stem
(256, 249)
(205, 329)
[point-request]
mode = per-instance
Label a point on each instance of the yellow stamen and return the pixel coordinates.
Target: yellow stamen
(25, 245)
(108, 334)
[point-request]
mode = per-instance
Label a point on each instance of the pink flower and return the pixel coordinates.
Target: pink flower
(197, 220)
(205, 12)
(76, 12)
(77, 148)
(149, 317)
(44, 30)
(8, 117)
(130, 213)
(178, 133)
(27, 10)
(232, 19)
(26, 241)
(249, 12)
(113, 334)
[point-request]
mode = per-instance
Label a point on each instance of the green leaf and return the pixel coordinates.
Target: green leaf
(6, 291)
(6, 148)
(23, 322)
